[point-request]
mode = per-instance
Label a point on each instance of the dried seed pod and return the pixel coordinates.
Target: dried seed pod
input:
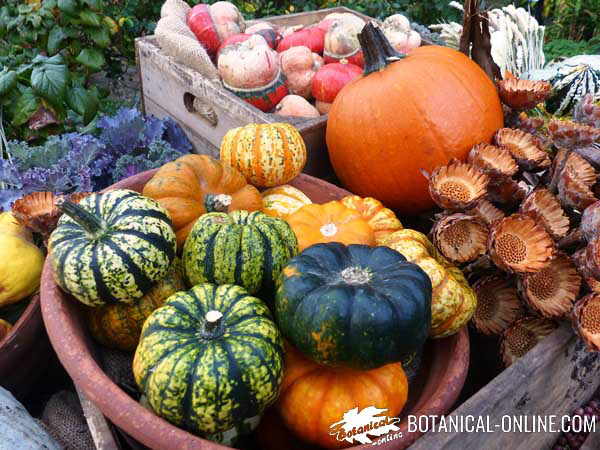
(586, 320)
(507, 192)
(485, 211)
(552, 291)
(569, 134)
(518, 244)
(583, 170)
(495, 161)
(587, 111)
(498, 305)
(592, 258)
(457, 186)
(532, 125)
(543, 206)
(573, 192)
(590, 221)
(460, 237)
(522, 95)
(522, 336)
(524, 148)
(579, 259)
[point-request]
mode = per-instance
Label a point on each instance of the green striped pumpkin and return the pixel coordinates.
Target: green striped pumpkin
(244, 248)
(210, 361)
(111, 247)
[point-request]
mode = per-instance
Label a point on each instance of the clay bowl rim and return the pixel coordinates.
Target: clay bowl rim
(27, 316)
(71, 341)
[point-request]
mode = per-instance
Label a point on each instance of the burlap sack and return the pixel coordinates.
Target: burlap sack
(173, 24)
(65, 421)
(188, 51)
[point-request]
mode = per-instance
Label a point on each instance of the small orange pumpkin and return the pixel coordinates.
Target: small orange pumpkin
(281, 201)
(330, 222)
(314, 397)
(382, 220)
(194, 185)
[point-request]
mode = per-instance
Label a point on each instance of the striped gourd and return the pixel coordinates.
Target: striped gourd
(210, 360)
(244, 248)
(119, 325)
(281, 201)
(267, 154)
(111, 247)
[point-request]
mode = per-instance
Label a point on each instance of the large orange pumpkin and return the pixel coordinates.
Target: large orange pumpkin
(330, 222)
(194, 185)
(406, 115)
(314, 397)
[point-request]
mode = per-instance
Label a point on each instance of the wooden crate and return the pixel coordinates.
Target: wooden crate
(169, 89)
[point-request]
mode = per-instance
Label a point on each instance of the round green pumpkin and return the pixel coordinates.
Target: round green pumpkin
(354, 306)
(210, 360)
(111, 247)
(244, 248)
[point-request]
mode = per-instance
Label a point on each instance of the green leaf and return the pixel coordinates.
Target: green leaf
(83, 102)
(8, 81)
(92, 58)
(55, 38)
(50, 80)
(94, 4)
(100, 36)
(90, 18)
(25, 107)
(67, 6)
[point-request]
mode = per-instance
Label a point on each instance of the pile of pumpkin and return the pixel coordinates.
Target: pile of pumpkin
(278, 69)
(204, 276)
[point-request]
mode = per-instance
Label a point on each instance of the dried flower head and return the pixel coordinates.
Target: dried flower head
(552, 291)
(4, 329)
(565, 133)
(584, 171)
(495, 161)
(457, 186)
(532, 125)
(524, 148)
(522, 95)
(579, 259)
(590, 221)
(587, 111)
(460, 237)
(543, 206)
(507, 192)
(573, 190)
(592, 258)
(498, 305)
(485, 211)
(518, 244)
(522, 336)
(586, 320)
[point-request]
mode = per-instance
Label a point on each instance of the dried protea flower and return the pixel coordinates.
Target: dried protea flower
(532, 125)
(565, 133)
(522, 95)
(543, 206)
(552, 290)
(485, 211)
(573, 192)
(37, 211)
(519, 244)
(460, 237)
(586, 320)
(590, 221)
(580, 261)
(587, 111)
(498, 305)
(495, 161)
(583, 170)
(522, 336)
(4, 329)
(592, 258)
(524, 148)
(591, 154)
(457, 186)
(507, 192)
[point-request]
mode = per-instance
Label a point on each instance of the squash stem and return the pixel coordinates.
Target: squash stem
(217, 202)
(88, 221)
(377, 50)
(212, 321)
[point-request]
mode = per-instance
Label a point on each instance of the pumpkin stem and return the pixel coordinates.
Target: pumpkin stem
(213, 320)
(85, 219)
(377, 50)
(356, 275)
(217, 202)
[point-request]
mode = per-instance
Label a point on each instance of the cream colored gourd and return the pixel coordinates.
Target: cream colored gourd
(21, 261)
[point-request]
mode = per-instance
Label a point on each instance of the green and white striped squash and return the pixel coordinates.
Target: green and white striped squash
(245, 248)
(111, 247)
(571, 80)
(210, 360)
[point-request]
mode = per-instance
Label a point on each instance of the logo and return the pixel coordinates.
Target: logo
(359, 425)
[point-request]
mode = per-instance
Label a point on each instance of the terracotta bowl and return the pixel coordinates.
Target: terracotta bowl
(24, 351)
(442, 376)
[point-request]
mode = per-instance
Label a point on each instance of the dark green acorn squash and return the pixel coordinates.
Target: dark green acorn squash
(111, 247)
(354, 306)
(244, 248)
(210, 360)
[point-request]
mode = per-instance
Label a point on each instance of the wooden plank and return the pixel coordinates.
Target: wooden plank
(554, 378)
(97, 424)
